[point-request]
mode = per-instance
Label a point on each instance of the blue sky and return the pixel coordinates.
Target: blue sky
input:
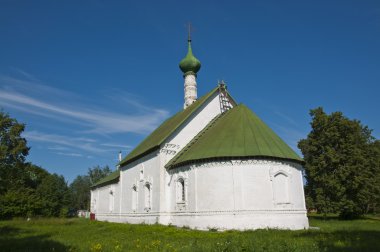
(90, 78)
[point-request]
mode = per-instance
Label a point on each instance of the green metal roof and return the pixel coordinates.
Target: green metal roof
(238, 133)
(110, 179)
(157, 137)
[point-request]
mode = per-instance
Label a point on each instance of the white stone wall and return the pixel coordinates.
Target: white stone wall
(139, 174)
(105, 200)
(239, 195)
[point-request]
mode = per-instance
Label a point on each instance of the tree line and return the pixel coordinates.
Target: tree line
(28, 190)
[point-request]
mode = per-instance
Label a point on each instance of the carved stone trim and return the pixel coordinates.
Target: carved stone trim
(170, 149)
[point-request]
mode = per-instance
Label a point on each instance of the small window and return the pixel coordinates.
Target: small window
(111, 199)
(142, 173)
(134, 198)
(181, 194)
(147, 197)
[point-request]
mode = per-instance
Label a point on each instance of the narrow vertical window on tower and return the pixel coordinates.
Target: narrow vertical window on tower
(134, 198)
(148, 197)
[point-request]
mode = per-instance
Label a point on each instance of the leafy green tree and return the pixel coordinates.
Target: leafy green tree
(81, 186)
(339, 160)
(80, 192)
(26, 189)
(96, 173)
(54, 194)
(20, 202)
(374, 159)
(13, 150)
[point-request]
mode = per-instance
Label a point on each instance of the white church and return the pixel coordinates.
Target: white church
(213, 165)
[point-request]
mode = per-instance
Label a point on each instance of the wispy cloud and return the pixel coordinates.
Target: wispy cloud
(25, 74)
(70, 154)
(71, 109)
(58, 148)
(122, 146)
(285, 117)
(65, 141)
(290, 135)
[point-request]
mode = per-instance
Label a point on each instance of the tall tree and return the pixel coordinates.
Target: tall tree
(81, 186)
(96, 173)
(80, 192)
(54, 195)
(374, 159)
(13, 150)
(25, 189)
(338, 154)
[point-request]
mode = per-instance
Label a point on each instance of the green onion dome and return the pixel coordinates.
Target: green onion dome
(190, 64)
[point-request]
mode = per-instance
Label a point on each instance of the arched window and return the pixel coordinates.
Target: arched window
(142, 172)
(134, 198)
(281, 188)
(181, 194)
(147, 197)
(111, 198)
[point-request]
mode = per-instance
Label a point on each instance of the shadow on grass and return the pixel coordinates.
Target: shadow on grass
(345, 240)
(336, 217)
(15, 239)
(324, 218)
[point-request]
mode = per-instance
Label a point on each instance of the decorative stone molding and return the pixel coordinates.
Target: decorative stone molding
(170, 149)
(181, 169)
(222, 212)
(274, 172)
(181, 205)
(172, 146)
(236, 162)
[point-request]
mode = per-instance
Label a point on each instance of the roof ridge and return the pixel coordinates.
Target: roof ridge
(238, 133)
(165, 130)
(195, 139)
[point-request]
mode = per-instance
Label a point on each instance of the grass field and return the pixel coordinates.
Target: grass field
(84, 235)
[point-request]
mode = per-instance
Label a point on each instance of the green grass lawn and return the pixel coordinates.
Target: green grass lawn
(85, 235)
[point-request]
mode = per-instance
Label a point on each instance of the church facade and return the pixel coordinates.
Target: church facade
(213, 165)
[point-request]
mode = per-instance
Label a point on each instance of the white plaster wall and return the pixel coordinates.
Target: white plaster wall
(238, 195)
(105, 202)
(131, 175)
(223, 195)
